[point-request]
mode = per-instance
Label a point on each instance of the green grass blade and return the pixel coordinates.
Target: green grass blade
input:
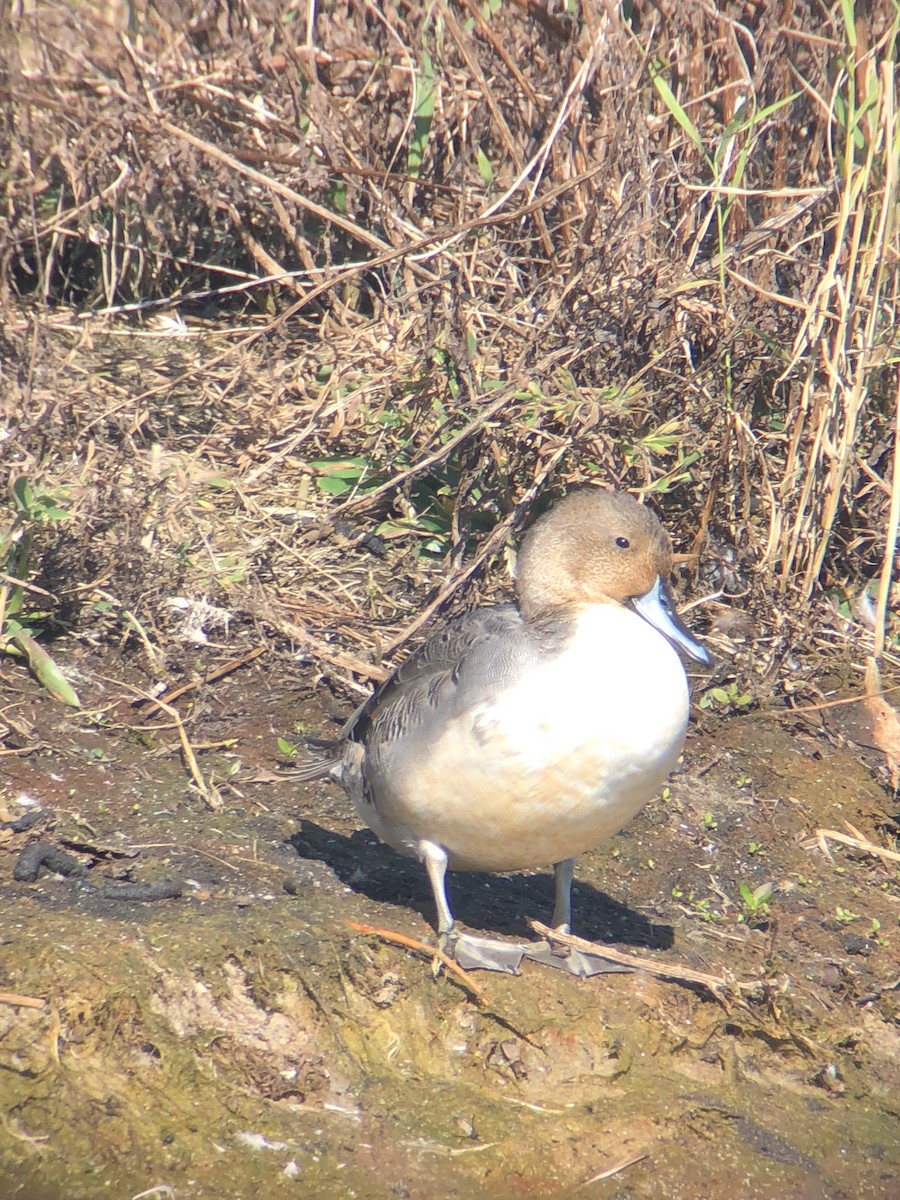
(671, 103)
(46, 671)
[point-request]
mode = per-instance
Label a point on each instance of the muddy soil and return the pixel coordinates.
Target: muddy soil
(239, 1040)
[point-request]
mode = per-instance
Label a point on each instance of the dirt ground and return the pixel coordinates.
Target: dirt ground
(240, 1040)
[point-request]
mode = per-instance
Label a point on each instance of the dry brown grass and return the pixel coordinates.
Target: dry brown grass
(478, 253)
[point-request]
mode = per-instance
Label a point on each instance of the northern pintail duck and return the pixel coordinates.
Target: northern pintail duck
(522, 734)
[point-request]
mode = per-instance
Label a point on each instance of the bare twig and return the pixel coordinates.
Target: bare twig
(411, 943)
(673, 971)
(17, 1001)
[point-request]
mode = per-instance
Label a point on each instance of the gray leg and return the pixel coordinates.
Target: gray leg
(435, 860)
(562, 909)
(470, 952)
(576, 962)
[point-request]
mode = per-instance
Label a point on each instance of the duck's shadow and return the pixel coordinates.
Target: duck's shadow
(487, 903)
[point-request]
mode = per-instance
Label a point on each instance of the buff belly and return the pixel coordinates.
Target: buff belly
(551, 766)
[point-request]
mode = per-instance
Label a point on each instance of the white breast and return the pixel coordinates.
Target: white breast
(560, 760)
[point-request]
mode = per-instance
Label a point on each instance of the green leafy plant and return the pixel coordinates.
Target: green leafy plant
(485, 170)
(756, 902)
(346, 473)
(33, 506)
(425, 510)
(665, 442)
(730, 697)
(875, 933)
(289, 749)
(700, 906)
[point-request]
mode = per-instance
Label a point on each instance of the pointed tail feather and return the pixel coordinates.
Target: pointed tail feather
(324, 763)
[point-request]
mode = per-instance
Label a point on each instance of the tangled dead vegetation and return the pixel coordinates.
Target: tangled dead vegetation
(276, 278)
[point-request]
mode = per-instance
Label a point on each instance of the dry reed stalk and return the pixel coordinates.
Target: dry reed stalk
(632, 307)
(840, 343)
(854, 840)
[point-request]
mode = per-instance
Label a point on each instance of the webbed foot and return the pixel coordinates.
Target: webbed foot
(483, 954)
(576, 962)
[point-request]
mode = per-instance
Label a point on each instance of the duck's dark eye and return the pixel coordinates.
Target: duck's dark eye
(623, 543)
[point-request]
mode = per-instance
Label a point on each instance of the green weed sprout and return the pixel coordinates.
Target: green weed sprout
(33, 506)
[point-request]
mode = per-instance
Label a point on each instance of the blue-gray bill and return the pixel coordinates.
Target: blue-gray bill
(657, 607)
